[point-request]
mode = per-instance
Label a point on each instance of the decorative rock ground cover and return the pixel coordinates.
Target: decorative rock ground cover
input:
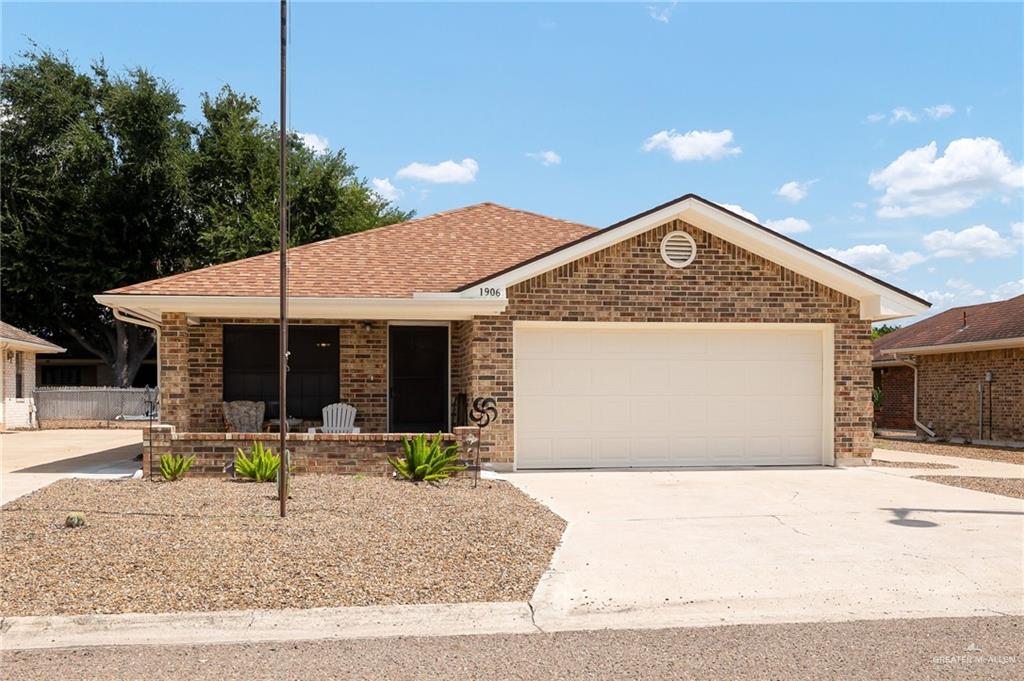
(949, 449)
(1008, 487)
(202, 544)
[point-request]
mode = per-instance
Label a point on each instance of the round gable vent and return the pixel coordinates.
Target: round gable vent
(678, 249)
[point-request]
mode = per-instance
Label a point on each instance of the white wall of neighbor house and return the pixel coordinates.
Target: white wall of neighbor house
(17, 412)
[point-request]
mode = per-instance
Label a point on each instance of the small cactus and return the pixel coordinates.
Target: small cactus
(74, 520)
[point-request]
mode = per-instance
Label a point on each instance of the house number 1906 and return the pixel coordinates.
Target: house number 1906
(490, 292)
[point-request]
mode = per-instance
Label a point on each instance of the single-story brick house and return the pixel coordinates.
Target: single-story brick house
(958, 374)
(18, 350)
(686, 335)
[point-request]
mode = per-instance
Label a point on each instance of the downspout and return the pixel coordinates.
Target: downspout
(913, 365)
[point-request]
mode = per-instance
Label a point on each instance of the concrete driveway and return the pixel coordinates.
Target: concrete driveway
(699, 547)
(34, 458)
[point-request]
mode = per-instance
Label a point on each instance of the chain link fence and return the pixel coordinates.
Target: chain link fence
(79, 403)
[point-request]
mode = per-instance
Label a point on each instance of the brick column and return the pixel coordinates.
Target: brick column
(155, 442)
(490, 375)
(174, 379)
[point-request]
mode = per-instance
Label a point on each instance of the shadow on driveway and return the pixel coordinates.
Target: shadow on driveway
(88, 463)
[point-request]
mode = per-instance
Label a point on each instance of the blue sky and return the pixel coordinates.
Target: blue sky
(889, 134)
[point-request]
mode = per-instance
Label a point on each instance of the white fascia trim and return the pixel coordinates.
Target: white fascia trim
(878, 302)
(974, 346)
(150, 308)
(29, 346)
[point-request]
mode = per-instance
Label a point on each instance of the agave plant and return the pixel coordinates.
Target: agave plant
(260, 464)
(426, 460)
(174, 466)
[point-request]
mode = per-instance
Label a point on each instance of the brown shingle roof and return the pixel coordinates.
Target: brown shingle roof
(439, 253)
(13, 333)
(985, 322)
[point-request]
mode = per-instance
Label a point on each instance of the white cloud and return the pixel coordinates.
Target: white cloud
(1010, 289)
(316, 143)
(446, 172)
(876, 259)
(695, 145)
(979, 241)
(1017, 232)
(939, 111)
(920, 182)
(789, 225)
(860, 205)
(795, 191)
(546, 158)
(739, 211)
(962, 292)
(903, 114)
(385, 189)
(876, 117)
(662, 13)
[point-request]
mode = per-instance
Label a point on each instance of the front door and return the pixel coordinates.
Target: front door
(417, 379)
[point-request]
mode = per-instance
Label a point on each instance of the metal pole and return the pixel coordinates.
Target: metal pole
(282, 478)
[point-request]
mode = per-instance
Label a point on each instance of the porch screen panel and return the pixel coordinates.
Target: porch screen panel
(250, 367)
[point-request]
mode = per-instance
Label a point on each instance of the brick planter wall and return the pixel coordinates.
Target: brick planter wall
(320, 453)
(629, 282)
(948, 393)
(897, 409)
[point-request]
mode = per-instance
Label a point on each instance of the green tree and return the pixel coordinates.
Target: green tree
(879, 331)
(94, 196)
(104, 184)
(235, 185)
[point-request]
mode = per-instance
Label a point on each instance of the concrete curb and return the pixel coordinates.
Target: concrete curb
(239, 626)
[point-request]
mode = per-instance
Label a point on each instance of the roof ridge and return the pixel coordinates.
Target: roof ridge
(536, 214)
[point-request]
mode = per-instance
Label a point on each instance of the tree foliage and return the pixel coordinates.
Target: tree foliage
(879, 331)
(106, 183)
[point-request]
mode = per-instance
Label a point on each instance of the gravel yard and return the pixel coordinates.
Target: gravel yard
(201, 544)
(908, 464)
(947, 449)
(1008, 487)
(964, 648)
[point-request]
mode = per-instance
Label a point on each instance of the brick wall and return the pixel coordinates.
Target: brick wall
(948, 398)
(897, 408)
(628, 282)
(17, 412)
(320, 453)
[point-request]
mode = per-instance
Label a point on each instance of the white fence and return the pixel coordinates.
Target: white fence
(96, 404)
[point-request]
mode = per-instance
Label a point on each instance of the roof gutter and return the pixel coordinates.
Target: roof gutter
(148, 310)
(971, 346)
(38, 348)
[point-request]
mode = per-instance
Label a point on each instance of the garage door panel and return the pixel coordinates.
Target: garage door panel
(688, 376)
(612, 378)
(649, 451)
(610, 412)
(667, 397)
(650, 413)
(612, 452)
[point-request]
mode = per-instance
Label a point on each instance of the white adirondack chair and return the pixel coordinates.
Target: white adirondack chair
(338, 418)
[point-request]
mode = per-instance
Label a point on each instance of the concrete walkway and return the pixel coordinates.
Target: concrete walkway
(34, 458)
(972, 467)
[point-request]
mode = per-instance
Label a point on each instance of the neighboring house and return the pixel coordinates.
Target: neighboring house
(18, 350)
(969, 366)
(80, 367)
(686, 335)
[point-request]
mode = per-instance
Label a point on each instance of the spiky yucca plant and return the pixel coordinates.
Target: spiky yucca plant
(174, 466)
(260, 464)
(425, 460)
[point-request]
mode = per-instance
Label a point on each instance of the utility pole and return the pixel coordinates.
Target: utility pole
(282, 472)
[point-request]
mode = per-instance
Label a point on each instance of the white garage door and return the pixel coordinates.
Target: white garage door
(591, 397)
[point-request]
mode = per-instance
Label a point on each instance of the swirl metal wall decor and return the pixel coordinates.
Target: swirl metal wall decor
(483, 413)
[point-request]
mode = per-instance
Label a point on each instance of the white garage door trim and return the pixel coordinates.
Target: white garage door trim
(826, 332)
